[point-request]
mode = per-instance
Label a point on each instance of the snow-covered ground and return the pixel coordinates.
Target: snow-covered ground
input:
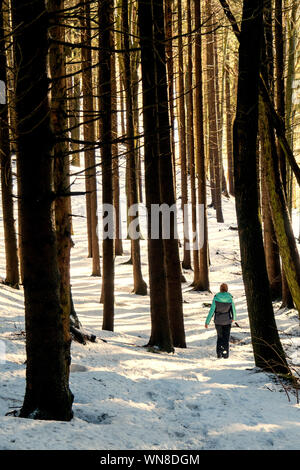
(129, 398)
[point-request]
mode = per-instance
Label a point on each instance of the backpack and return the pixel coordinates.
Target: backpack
(223, 313)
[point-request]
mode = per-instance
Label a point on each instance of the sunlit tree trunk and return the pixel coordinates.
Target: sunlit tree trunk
(280, 214)
(270, 242)
(191, 142)
(74, 109)
(89, 136)
(10, 239)
(202, 283)
(287, 300)
(186, 262)
(229, 124)
(115, 157)
(212, 115)
(219, 111)
(140, 286)
(170, 62)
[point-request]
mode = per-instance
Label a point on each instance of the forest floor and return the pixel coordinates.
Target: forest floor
(126, 397)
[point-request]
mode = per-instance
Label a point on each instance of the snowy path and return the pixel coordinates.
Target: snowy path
(128, 398)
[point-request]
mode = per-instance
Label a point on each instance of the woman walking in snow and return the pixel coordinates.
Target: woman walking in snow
(224, 310)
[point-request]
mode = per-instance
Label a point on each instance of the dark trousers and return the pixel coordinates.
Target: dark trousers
(223, 332)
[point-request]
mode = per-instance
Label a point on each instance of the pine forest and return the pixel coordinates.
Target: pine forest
(149, 227)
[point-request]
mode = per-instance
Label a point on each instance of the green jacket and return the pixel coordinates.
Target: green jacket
(225, 297)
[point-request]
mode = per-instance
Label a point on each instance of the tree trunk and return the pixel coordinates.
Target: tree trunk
(47, 391)
(219, 112)
(268, 352)
(277, 196)
(212, 116)
(74, 109)
(135, 64)
(10, 93)
(115, 156)
(60, 164)
(229, 124)
(191, 143)
(140, 286)
(279, 67)
(89, 136)
(270, 243)
(10, 238)
(105, 11)
(202, 283)
(121, 91)
(275, 119)
(167, 193)
(287, 300)
(169, 56)
(160, 325)
(186, 263)
(280, 214)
